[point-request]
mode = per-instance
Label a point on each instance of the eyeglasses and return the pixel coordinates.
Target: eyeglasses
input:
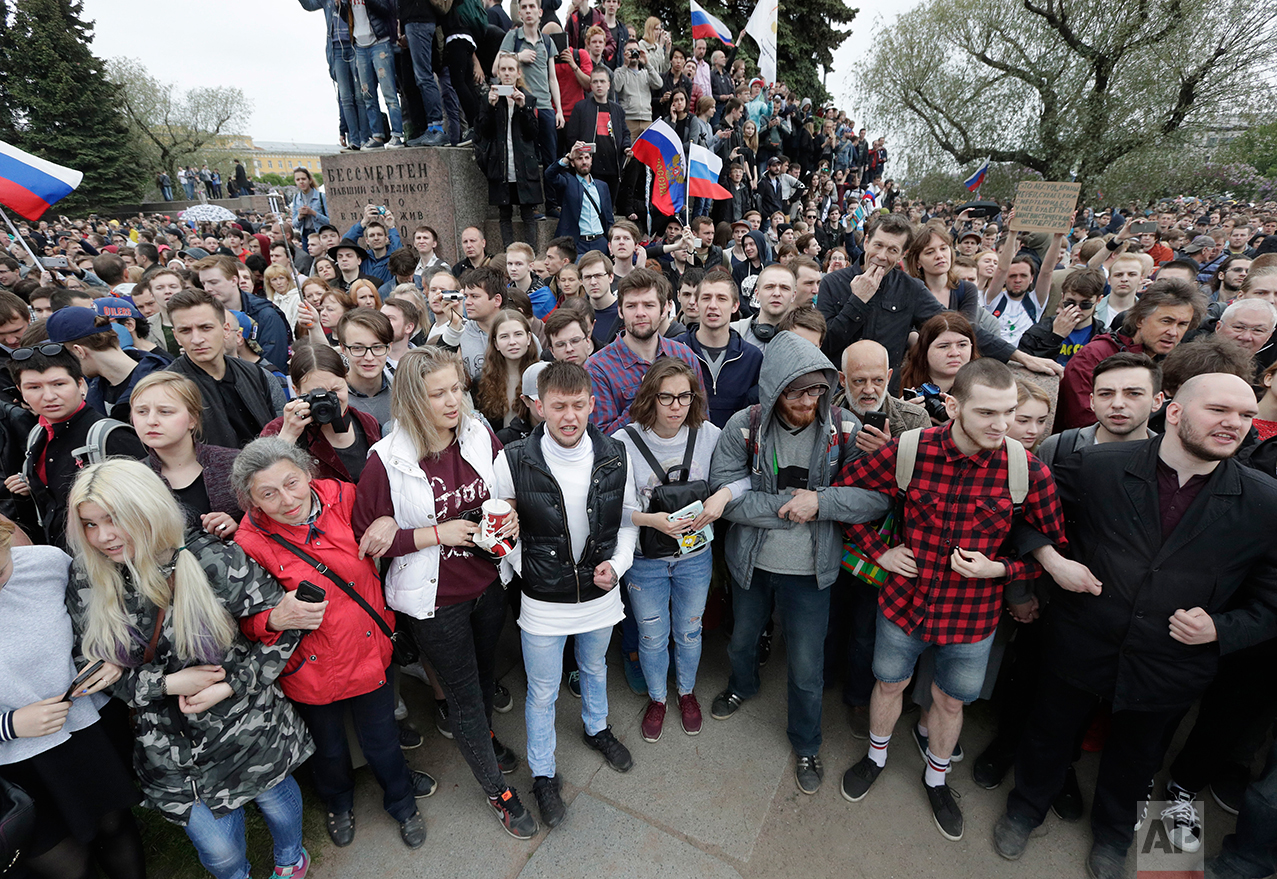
(684, 399)
(49, 349)
(1082, 305)
(813, 391)
(564, 344)
(361, 350)
(594, 277)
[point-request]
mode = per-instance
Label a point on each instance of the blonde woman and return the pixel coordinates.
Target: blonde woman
(420, 496)
(159, 604)
(280, 286)
(657, 43)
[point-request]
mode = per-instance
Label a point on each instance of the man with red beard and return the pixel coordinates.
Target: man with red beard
(1178, 573)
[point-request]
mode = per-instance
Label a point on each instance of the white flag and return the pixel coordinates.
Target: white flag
(762, 27)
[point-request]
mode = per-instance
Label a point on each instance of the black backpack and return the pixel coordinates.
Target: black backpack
(670, 496)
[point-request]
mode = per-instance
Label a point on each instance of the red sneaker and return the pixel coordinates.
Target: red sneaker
(653, 720)
(690, 710)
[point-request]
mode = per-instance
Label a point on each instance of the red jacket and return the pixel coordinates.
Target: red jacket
(347, 655)
(1074, 406)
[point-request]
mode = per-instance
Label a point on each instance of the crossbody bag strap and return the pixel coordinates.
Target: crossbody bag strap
(149, 653)
(647, 453)
(585, 190)
(337, 581)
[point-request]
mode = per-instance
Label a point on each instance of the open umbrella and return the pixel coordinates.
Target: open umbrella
(210, 213)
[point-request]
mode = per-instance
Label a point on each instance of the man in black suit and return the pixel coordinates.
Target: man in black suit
(1180, 568)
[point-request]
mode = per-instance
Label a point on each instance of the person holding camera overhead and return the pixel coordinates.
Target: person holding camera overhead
(506, 148)
(946, 343)
(320, 420)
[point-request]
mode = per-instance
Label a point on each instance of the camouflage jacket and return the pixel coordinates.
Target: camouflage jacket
(239, 748)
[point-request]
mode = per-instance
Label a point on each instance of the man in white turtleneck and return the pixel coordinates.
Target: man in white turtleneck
(575, 500)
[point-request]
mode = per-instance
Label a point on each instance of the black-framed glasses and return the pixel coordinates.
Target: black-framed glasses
(361, 350)
(666, 399)
(48, 349)
(813, 391)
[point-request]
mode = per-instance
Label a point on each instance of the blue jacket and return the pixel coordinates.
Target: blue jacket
(737, 385)
(374, 266)
(147, 363)
(272, 327)
(572, 195)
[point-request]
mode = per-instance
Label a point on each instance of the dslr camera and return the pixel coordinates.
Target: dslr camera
(933, 401)
(325, 408)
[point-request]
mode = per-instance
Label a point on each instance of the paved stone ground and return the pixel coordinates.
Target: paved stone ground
(721, 804)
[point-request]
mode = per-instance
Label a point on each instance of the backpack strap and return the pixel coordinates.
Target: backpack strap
(1017, 470)
(94, 449)
(647, 454)
(688, 454)
(751, 442)
(906, 458)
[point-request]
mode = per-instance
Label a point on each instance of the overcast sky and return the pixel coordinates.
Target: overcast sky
(274, 51)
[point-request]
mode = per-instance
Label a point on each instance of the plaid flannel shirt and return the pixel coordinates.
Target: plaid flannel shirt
(954, 500)
(616, 373)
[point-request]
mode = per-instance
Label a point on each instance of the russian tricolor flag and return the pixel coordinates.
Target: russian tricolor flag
(973, 182)
(29, 185)
(706, 26)
(704, 169)
(661, 150)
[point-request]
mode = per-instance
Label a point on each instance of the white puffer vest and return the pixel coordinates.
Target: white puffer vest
(413, 580)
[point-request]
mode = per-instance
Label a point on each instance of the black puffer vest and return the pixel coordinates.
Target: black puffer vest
(549, 572)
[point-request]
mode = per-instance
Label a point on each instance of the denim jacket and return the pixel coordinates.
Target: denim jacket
(313, 199)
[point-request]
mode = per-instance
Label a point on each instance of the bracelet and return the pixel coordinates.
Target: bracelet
(438, 542)
(164, 685)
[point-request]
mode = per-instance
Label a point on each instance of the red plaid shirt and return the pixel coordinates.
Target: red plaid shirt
(954, 500)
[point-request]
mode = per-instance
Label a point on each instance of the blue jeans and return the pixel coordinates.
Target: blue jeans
(669, 595)
(190, 190)
(374, 716)
(351, 99)
(167, 192)
(1252, 850)
(804, 610)
(375, 65)
(543, 662)
(421, 41)
(220, 841)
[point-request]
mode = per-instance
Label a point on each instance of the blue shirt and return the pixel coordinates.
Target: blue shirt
(591, 223)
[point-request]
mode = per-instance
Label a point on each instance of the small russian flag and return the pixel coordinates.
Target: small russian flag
(973, 182)
(30, 185)
(703, 170)
(706, 26)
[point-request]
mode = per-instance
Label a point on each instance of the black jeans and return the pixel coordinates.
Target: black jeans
(526, 212)
(849, 644)
(459, 56)
(1132, 755)
(378, 734)
(460, 641)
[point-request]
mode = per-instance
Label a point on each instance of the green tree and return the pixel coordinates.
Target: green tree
(1066, 87)
(173, 128)
(808, 34)
(60, 105)
(1256, 146)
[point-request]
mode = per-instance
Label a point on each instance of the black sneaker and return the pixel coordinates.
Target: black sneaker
(409, 738)
(423, 785)
(574, 683)
(1148, 795)
(616, 754)
(924, 741)
(442, 723)
(1011, 837)
(502, 701)
(1105, 863)
(341, 828)
(549, 800)
(507, 760)
(992, 766)
(1068, 804)
(725, 705)
(860, 722)
(413, 831)
(857, 780)
(764, 649)
(945, 810)
(1183, 824)
(1228, 787)
(809, 772)
(515, 819)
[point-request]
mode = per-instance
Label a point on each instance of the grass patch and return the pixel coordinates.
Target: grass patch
(170, 854)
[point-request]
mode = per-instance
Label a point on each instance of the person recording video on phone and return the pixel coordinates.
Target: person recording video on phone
(507, 135)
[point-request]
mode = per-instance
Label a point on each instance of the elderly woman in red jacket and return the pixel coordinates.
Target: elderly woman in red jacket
(298, 529)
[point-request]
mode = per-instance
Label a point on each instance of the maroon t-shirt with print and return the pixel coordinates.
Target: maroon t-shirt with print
(458, 488)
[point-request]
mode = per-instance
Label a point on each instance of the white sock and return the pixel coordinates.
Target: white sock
(922, 731)
(936, 770)
(878, 749)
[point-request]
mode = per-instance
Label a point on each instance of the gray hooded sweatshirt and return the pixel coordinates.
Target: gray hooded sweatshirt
(755, 510)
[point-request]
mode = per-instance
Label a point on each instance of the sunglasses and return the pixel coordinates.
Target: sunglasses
(1085, 305)
(49, 349)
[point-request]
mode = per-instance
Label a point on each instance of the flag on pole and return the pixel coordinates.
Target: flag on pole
(706, 26)
(703, 172)
(29, 185)
(762, 27)
(660, 148)
(973, 182)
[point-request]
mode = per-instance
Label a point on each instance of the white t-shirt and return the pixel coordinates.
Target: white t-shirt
(361, 33)
(572, 469)
(1014, 320)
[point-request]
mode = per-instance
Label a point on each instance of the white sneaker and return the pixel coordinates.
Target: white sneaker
(1183, 824)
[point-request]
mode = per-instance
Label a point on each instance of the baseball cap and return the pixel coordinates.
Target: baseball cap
(808, 380)
(740, 223)
(115, 307)
(325, 228)
(1198, 244)
(758, 80)
(530, 376)
(970, 233)
(72, 323)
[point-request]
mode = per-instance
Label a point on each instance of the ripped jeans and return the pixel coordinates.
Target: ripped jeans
(374, 66)
(669, 595)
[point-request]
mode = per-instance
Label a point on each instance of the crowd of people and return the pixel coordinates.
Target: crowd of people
(257, 471)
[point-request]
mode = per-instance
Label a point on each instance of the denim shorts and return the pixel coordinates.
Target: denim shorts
(959, 667)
